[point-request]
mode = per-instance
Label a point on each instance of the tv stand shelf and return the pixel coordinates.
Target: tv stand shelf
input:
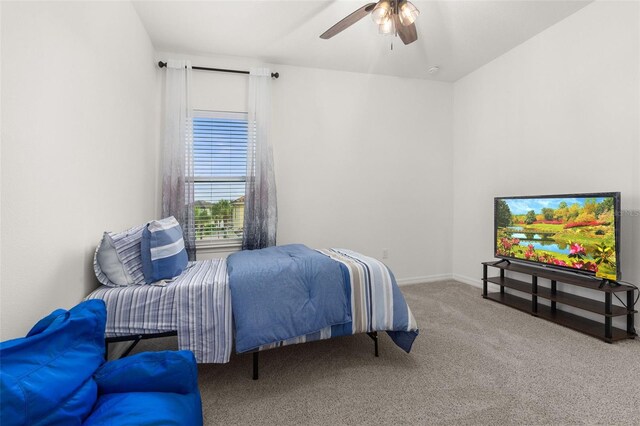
(532, 291)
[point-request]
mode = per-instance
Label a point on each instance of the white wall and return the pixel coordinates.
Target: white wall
(79, 114)
(0, 158)
(362, 161)
(558, 114)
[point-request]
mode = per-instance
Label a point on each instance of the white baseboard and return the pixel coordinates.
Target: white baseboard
(475, 282)
(424, 280)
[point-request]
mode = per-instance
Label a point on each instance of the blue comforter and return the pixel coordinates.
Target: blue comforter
(283, 292)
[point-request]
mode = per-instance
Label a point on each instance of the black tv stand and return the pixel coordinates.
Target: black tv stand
(532, 290)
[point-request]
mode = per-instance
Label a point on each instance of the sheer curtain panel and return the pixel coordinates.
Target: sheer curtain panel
(177, 167)
(260, 215)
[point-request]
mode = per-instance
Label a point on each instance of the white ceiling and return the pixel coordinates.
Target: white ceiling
(457, 36)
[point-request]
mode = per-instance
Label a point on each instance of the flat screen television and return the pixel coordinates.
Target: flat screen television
(576, 232)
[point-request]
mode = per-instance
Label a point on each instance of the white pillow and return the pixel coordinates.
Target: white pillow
(109, 263)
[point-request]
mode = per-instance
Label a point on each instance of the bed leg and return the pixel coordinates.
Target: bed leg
(255, 365)
(374, 336)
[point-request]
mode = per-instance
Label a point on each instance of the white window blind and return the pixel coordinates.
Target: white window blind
(220, 161)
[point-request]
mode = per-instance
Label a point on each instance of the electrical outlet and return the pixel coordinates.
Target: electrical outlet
(385, 253)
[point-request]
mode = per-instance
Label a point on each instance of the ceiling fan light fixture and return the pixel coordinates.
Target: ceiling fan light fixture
(393, 17)
(386, 27)
(408, 13)
(381, 12)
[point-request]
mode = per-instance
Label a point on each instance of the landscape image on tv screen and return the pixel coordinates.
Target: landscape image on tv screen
(572, 232)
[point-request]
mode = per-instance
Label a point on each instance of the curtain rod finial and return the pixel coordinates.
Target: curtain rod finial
(275, 74)
(162, 64)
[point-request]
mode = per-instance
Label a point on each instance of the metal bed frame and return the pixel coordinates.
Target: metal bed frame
(136, 338)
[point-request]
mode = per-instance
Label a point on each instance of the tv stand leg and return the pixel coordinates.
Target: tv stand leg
(484, 281)
(630, 313)
(534, 295)
(607, 318)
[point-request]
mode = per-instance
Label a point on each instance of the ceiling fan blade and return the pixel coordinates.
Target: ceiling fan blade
(407, 34)
(348, 21)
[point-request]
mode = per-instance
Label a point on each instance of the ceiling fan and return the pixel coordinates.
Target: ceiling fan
(392, 17)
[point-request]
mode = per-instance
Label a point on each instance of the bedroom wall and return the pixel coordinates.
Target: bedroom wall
(558, 114)
(0, 155)
(79, 147)
(362, 161)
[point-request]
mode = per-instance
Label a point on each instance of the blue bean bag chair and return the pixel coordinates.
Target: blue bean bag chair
(57, 375)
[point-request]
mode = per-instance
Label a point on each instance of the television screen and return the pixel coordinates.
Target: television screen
(579, 232)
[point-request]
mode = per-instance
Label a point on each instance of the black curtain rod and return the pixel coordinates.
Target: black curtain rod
(273, 74)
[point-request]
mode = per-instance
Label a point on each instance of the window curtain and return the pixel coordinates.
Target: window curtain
(177, 170)
(260, 214)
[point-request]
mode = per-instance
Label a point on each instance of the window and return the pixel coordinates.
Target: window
(220, 161)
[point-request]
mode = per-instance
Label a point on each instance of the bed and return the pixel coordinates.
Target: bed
(198, 308)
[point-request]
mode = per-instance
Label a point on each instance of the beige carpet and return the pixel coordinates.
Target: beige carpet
(475, 362)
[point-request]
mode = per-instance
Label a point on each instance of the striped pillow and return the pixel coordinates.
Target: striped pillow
(163, 254)
(123, 247)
